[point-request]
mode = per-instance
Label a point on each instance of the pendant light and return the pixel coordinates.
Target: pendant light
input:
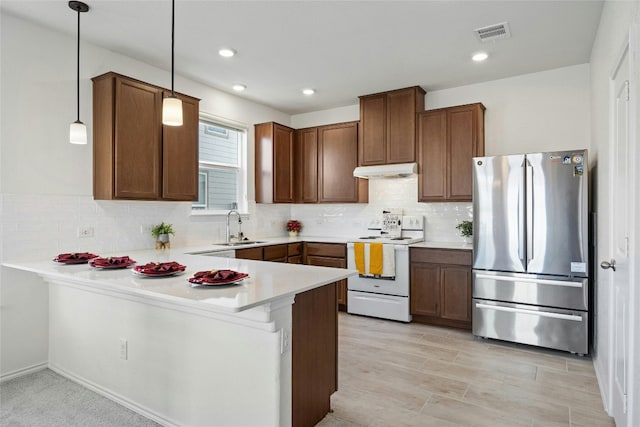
(171, 105)
(78, 130)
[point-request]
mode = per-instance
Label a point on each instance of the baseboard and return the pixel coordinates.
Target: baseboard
(24, 371)
(111, 395)
(603, 391)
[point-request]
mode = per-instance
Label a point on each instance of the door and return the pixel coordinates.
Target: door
(557, 220)
(621, 195)
(499, 213)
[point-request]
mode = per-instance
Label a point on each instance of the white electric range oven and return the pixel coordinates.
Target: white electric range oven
(385, 297)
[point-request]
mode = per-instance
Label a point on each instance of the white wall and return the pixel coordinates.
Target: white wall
(543, 111)
(46, 183)
(612, 34)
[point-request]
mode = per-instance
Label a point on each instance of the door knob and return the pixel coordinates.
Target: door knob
(605, 265)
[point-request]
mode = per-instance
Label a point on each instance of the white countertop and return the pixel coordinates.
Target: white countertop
(267, 281)
(444, 245)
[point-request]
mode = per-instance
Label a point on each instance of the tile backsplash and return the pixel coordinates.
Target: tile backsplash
(40, 226)
(352, 219)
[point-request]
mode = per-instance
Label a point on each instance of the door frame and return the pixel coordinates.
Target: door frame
(631, 48)
(633, 401)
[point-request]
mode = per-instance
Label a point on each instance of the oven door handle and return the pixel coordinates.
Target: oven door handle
(396, 247)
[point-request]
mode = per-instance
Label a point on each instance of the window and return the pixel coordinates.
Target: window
(222, 177)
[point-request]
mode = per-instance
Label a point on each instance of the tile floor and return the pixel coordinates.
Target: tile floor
(396, 374)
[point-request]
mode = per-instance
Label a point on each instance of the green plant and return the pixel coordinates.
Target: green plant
(162, 228)
(466, 228)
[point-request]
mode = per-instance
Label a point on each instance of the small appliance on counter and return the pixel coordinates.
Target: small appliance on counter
(382, 287)
(531, 249)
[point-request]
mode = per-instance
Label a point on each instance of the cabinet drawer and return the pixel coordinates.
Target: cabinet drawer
(337, 250)
(249, 253)
(294, 249)
(275, 252)
(441, 256)
(326, 261)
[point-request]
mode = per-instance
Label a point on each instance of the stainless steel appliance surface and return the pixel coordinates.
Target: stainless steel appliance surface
(531, 249)
(385, 297)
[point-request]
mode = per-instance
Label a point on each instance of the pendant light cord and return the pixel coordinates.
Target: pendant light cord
(173, 24)
(78, 71)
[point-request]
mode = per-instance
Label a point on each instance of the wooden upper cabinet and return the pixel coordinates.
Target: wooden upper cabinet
(388, 126)
(135, 157)
(180, 154)
(337, 158)
(325, 159)
(307, 161)
(274, 163)
(373, 126)
(448, 138)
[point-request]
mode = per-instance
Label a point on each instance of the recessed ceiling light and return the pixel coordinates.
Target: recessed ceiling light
(308, 91)
(480, 56)
(226, 52)
(239, 87)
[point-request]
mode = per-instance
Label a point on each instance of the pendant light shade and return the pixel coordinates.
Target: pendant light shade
(171, 105)
(77, 133)
(77, 130)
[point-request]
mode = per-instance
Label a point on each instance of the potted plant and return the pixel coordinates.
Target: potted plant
(161, 232)
(466, 229)
(293, 227)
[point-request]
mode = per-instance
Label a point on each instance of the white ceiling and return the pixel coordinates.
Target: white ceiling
(342, 49)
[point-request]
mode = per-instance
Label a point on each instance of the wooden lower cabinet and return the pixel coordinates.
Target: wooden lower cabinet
(440, 282)
(329, 255)
(314, 355)
(294, 253)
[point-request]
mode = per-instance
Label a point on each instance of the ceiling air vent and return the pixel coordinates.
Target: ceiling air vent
(493, 32)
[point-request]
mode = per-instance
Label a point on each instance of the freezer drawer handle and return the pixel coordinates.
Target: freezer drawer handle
(532, 312)
(528, 280)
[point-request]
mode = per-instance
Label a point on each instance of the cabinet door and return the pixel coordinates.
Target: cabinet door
(373, 124)
(337, 158)
(456, 293)
(249, 253)
(425, 289)
(180, 155)
(283, 181)
(296, 259)
(307, 176)
(432, 156)
(138, 140)
(401, 126)
(463, 141)
(275, 253)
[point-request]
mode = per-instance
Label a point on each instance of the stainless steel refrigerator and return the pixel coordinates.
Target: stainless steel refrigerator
(531, 249)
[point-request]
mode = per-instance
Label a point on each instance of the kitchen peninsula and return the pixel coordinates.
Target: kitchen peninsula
(197, 356)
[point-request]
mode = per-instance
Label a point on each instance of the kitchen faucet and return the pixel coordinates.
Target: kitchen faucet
(229, 235)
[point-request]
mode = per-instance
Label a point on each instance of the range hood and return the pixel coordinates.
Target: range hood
(385, 171)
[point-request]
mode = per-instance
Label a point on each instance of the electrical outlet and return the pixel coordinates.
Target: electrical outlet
(85, 232)
(123, 349)
(145, 229)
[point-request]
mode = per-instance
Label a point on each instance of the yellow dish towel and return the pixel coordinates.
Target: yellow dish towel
(375, 258)
(358, 252)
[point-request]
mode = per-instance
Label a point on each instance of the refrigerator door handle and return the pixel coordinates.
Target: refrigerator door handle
(529, 210)
(531, 280)
(531, 312)
(522, 191)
